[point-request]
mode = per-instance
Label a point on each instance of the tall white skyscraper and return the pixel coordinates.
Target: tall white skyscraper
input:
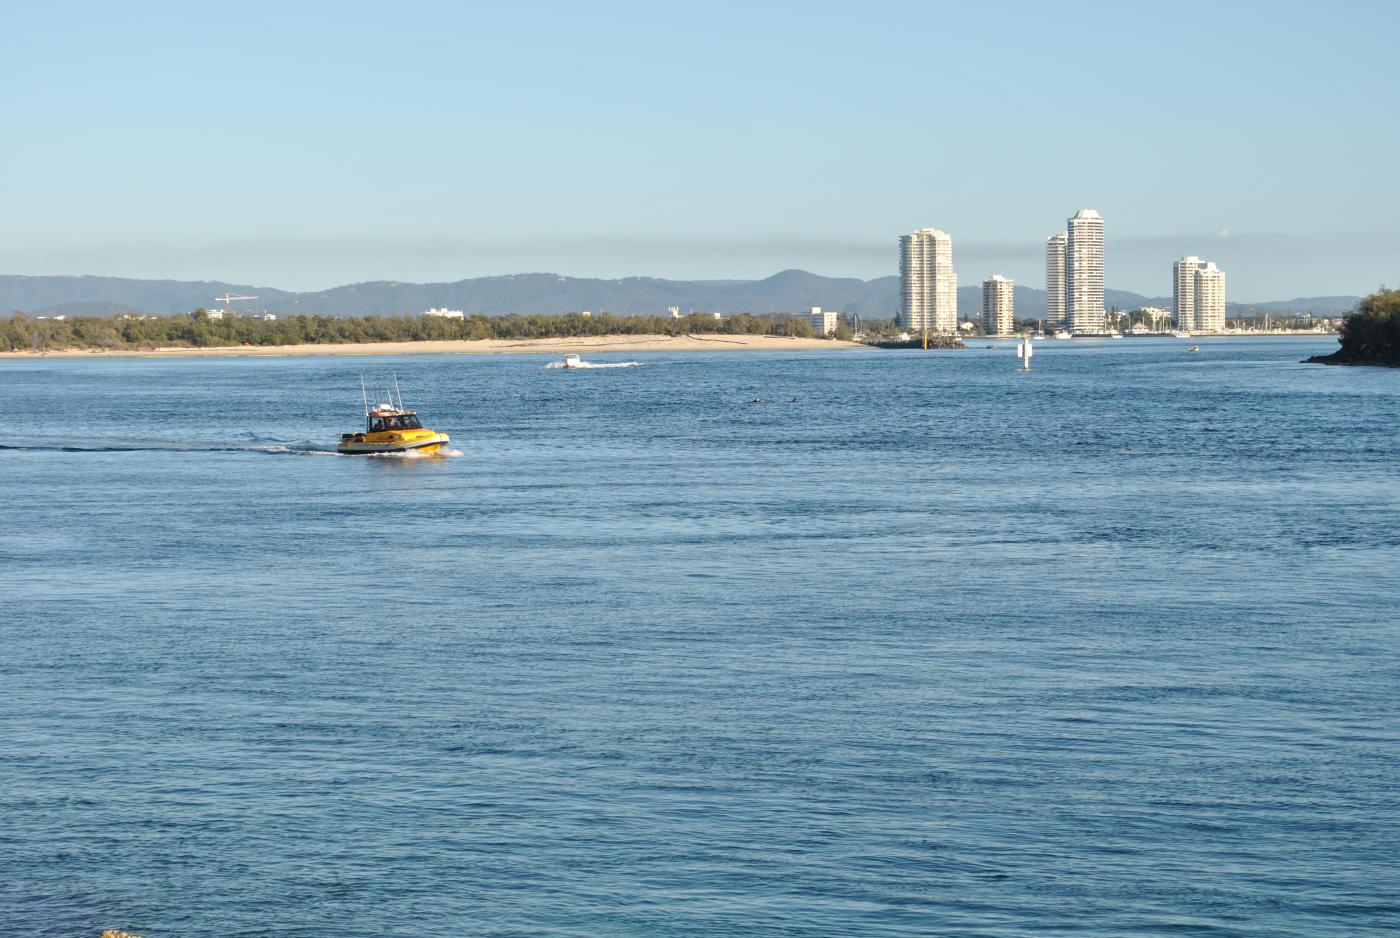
(1055, 279)
(1198, 295)
(998, 305)
(1210, 298)
(1084, 272)
(928, 286)
(1184, 293)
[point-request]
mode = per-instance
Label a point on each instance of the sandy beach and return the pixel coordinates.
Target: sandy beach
(613, 343)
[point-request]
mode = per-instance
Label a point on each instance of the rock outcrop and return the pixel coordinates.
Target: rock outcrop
(1371, 335)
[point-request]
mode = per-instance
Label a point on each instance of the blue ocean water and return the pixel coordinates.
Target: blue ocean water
(917, 646)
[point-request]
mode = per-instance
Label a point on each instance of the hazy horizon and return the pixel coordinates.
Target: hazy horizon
(313, 145)
(370, 263)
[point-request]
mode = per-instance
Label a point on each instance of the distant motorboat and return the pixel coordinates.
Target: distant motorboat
(1062, 334)
(1115, 335)
(1179, 334)
(572, 361)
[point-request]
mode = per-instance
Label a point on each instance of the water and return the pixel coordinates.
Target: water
(917, 646)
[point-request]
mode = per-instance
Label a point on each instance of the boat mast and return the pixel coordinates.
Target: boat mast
(364, 394)
(398, 392)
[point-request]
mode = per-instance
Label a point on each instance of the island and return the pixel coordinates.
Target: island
(1369, 336)
(940, 341)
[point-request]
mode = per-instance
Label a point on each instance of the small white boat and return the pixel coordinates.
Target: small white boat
(1115, 335)
(572, 361)
(1179, 334)
(1062, 334)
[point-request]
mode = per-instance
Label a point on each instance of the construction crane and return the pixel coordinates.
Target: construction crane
(228, 298)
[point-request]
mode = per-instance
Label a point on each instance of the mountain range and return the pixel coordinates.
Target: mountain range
(786, 291)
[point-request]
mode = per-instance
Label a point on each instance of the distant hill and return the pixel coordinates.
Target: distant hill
(787, 291)
(552, 293)
(83, 296)
(83, 309)
(1318, 305)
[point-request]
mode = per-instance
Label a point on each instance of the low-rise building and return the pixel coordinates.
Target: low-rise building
(445, 313)
(823, 320)
(1154, 318)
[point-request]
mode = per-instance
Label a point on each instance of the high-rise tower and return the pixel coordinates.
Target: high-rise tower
(998, 305)
(928, 286)
(1055, 279)
(1184, 293)
(1210, 298)
(1084, 272)
(1198, 296)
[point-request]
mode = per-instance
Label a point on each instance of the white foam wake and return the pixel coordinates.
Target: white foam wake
(417, 454)
(582, 365)
(303, 448)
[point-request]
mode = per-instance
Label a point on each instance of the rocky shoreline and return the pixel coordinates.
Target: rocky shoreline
(1336, 358)
(934, 342)
(1371, 335)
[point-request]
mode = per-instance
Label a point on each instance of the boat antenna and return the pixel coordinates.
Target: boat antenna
(398, 392)
(363, 393)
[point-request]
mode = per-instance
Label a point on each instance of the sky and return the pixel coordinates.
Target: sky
(302, 145)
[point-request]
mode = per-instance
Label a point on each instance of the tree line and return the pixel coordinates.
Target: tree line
(197, 330)
(1371, 335)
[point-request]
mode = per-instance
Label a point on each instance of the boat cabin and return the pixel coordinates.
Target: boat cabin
(381, 421)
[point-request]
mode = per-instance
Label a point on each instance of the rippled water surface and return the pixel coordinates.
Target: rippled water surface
(917, 646)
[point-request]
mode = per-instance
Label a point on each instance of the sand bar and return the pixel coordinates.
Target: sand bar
(602, 343)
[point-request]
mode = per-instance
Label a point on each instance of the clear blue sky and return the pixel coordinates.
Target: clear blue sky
(303, 145)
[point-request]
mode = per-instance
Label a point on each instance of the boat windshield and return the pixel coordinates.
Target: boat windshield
(398, 422)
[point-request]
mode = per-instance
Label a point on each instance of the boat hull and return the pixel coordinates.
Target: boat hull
(425, 446)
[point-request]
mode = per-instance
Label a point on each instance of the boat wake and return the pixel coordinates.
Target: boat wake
(302, 448)
(416, 454)
(583, 365)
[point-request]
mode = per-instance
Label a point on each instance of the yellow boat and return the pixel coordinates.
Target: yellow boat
(389, 428)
